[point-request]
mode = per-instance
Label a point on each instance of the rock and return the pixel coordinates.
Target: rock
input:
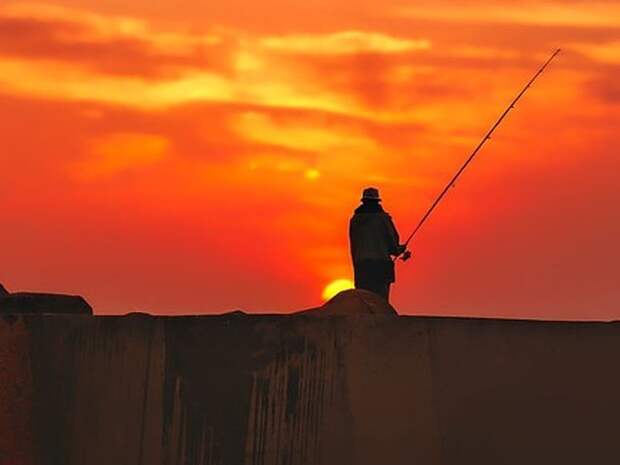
(3, 291)
(138, 314)
(353, 302)
(234, 313)
(358, 302)
(32, 302)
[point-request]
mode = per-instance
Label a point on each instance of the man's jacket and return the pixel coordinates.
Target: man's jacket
(372, 234)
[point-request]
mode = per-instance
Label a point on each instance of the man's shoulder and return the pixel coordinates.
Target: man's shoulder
(365, 210)
(370, 216)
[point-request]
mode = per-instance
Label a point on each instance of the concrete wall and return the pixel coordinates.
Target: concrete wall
(267, 390)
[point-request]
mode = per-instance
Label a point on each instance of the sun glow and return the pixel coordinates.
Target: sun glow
(337, 286)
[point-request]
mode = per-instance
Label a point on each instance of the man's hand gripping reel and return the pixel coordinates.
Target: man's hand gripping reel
(403, 253)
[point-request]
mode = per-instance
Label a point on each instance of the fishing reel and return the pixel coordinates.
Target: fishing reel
(405, 256)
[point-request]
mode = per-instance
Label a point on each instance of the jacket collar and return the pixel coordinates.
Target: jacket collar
(369, 207)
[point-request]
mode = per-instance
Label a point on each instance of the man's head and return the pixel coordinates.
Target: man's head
(371, 194)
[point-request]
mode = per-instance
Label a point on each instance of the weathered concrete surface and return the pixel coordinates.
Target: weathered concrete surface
(240, 389)
(16, 406)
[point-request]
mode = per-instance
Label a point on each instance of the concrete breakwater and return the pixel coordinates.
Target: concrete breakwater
(263, 389)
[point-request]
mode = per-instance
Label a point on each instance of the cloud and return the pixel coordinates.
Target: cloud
(580, 14)
(62, 81)
(70, 54)
(261, 128)
(102, 28)
(114, 45)
(343, 43)
(484, 52)
(50, 79)
(606, 52)
(605, 88)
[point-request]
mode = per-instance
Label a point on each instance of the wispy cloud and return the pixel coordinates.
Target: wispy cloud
(607, 53)
(261, 128)
(104, 28)
(110, 44)
(595, 13)
(344, 43)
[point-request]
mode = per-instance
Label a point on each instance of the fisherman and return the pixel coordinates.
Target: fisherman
(374, 240)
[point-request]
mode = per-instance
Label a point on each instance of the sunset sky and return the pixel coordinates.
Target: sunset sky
(203, 156)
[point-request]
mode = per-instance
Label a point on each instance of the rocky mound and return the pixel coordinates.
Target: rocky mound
(32, 302)
(354, 302)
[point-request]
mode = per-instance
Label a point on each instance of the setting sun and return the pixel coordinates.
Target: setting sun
(337, 286)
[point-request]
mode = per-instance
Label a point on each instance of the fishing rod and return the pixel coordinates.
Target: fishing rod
(406, 254)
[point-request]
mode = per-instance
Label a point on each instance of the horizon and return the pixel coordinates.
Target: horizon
(208, 158)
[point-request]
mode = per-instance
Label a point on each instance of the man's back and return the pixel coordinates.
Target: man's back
(372, 234)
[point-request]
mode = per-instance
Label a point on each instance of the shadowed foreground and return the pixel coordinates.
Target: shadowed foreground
(300, 389)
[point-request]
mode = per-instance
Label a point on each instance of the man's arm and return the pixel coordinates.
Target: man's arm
(394, 246)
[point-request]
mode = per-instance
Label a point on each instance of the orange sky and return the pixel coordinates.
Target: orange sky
(200, 156)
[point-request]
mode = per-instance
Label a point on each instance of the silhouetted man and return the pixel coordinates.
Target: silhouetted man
(374, 239)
